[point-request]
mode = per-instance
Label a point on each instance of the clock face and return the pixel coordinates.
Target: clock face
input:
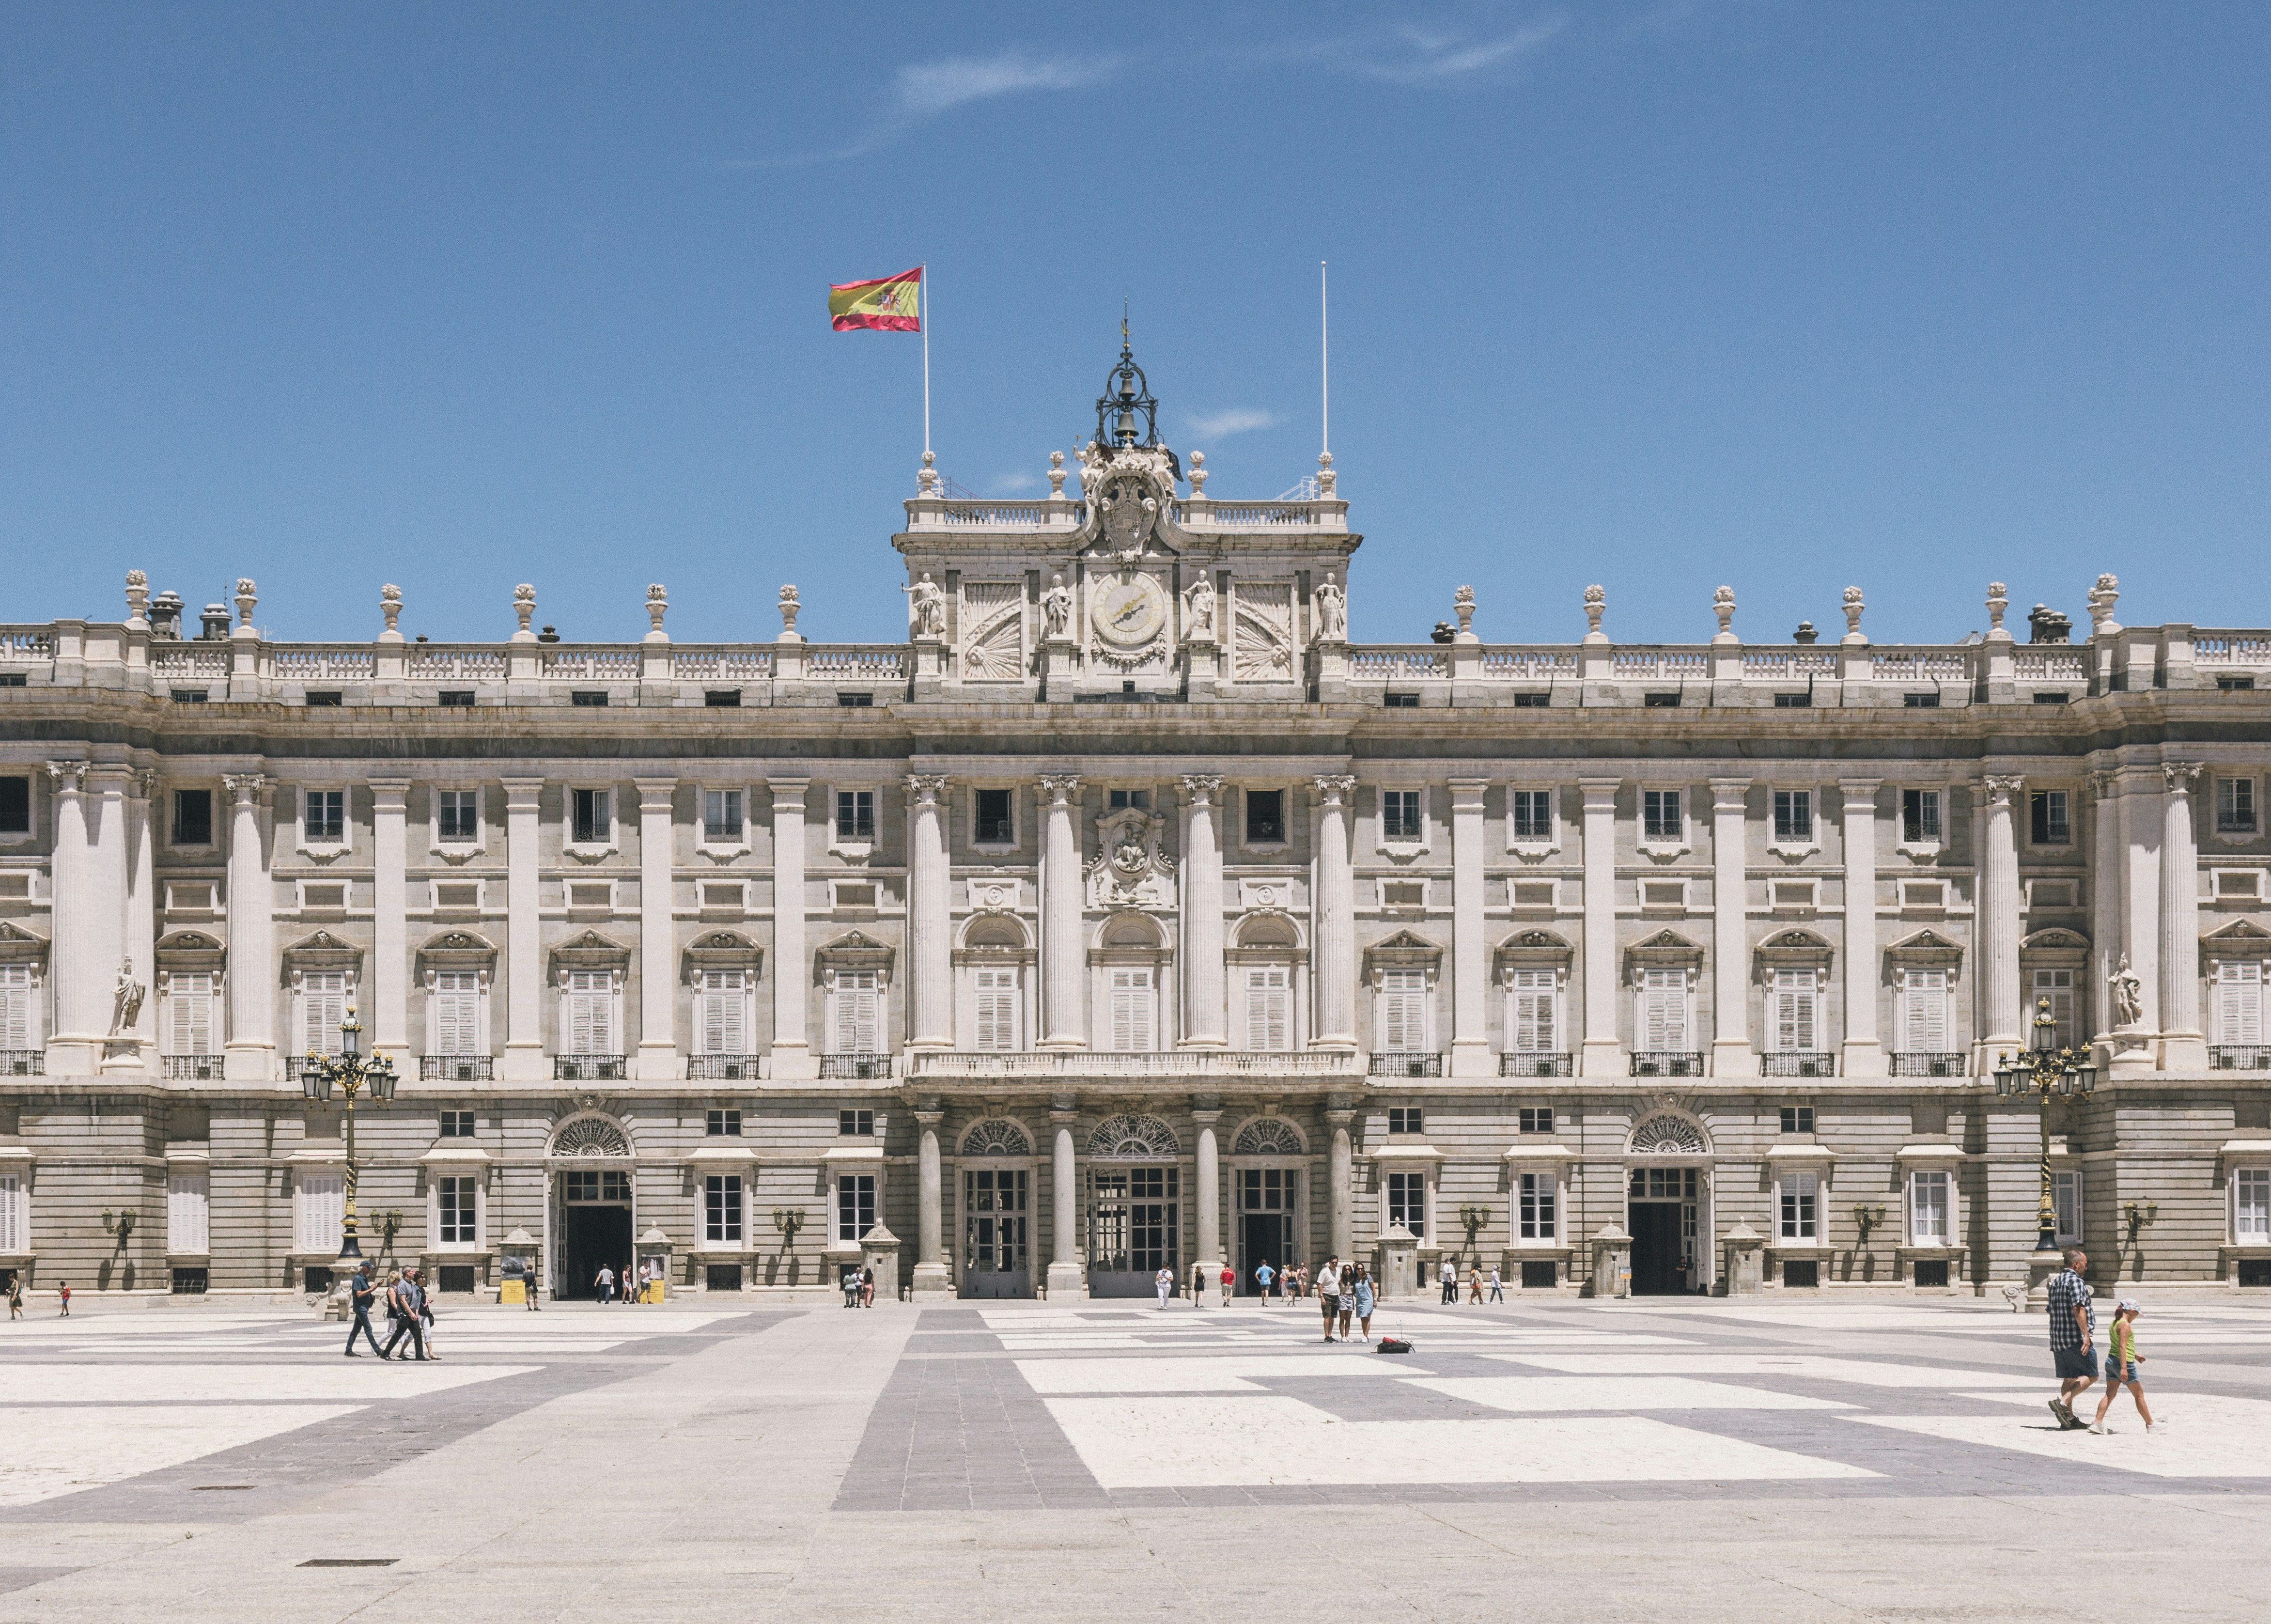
(1128, 611)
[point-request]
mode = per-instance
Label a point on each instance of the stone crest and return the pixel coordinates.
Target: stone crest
(1129, 870)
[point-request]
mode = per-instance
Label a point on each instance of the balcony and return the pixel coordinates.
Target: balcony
(24, 1063)
(721, 1068)
(1405, 1063)
(1798, 1063)
(179, 1068)
(2240, 1057)
(1667, 1063)
(1928, 1063)
(456, 1068)
(1533, 1065)
(1167, 1065)
(855, 1068)
(587, 1068)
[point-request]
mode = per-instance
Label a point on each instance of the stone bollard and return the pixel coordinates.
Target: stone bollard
(879, 1250)
(1398, 1258)
(1745, 1261)
(1611, 1262)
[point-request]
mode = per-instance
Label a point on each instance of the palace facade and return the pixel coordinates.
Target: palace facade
(1128, 915)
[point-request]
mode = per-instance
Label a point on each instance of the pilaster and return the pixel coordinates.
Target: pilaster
(1335, 917)
(1997, 951)
(929, 906)
(792, 1058)
(1604, 1055)
(2184, 1045)
(1470, 1053)
(658, 1047)
(390, 970)
(1863, 1055)
(1203, 1004)
(1064, 1020)
(1732, 1055)
(523, 1043)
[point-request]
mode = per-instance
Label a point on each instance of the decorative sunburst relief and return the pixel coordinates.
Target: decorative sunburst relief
(1262, 632)
(993, 631)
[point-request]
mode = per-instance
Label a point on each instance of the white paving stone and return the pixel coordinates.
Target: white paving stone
(1191, 1373)
(346, 1380)
(2209, 1436)
(1547, 1393)
(61, 1449)
(1812, 1367)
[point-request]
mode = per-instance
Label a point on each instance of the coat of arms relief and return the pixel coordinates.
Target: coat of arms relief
(1129, 870)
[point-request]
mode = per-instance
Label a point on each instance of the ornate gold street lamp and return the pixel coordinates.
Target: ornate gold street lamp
(2043, 1070)
(351, 1072)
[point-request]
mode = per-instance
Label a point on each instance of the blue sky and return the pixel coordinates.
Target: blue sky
(1783, 295)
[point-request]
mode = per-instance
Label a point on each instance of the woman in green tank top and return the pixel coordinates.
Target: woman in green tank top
(2121, 1361)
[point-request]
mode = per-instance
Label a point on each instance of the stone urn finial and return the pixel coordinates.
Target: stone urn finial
(2103, 597)
(657, 603)
(1056, 476)
(389, 605)
(1462, 605)
(1327, 480)
(789, 606)
(524, 606)
(1998, 599)
(248, 599)
(1198, 474)
(1597, 600)
(137, 601)
(927, 481)
(1722, 605)
(1854, 605)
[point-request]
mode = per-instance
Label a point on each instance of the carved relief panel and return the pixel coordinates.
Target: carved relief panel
(994, 633)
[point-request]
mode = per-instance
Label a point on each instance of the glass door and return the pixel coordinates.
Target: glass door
(994, 1259)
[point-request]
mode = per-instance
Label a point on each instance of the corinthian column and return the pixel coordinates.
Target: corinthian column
(1066, 1278)
(1340, 1166)
(1999, 1020)
(929, 908)
(792, 1053)
(1202, 996)
(75, 1042)
(1335, 915)
(1206, 1113)
(1864, 1055)
(2184, 1046)
(658, 1048)
(1730, 949)
(106, 939)
(1062, 1024)
(251, 1054)
(142, 906)
(931, 1279)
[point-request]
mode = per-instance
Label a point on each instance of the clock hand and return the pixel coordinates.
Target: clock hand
(1136, 608)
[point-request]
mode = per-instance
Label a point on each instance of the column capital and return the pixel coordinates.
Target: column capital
(245, 788)
(2179, 775)
(1206, 1110)
(146, 784)
(1200, 789)
(2002, 787)
(1467, 794)
(1728, 795)
(929, 1117)
(1063, 1110)
(1859, 786)
(1600, 794)
(521, 794)
(388, 794)
(926, 788)
(1334, 787)
(67, 776)
(656, 794)
(2104, 784)
(788, 786)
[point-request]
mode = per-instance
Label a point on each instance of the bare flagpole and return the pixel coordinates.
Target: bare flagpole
(1325, 367)
(925, 338)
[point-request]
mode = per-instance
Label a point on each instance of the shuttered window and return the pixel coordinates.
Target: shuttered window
(721, 1023)
(2238, 998)
(322, 1204)
(1794, 999)
(587, 1013)
(190, 1010)
(188, 1213)
(997, 1008)
(1662, 1023)
(1402, 1011)
(13, 1220)
(1134, 1003)
(16, 1007)
(1923, 1012)
(1536, 1013)
(323, 1006)
(1268, 1006)
(457, 1012)
(856, 1023)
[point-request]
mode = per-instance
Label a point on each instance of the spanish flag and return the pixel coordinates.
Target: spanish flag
(892, 303)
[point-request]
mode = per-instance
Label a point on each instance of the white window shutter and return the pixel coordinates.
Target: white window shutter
(189, 1013)
(1924, 1011)
(1132, 1006)
(189, 1212)
(857, 1026)
(1664, 1010)
(11, 1212)
(1404, 1011)
(997, 1008)
(15, 1006)
(323, 1005)
(457, 1012)
(1534, 1023)
(1794, 1001)
(1269, 1007)
(2239, 1002)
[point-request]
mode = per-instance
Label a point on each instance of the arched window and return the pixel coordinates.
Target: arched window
(1667, 1132)
(1264, 1003)
(996, 1137)
(1269, 1135)
(1133, 1139)
(1130, 957)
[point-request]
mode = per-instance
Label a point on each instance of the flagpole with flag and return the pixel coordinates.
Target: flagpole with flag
(887, 304)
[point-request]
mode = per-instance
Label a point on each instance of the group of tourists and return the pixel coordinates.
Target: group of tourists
(634, 1287)
(1474, 1283)
(2074, 1349)
(409, 1311)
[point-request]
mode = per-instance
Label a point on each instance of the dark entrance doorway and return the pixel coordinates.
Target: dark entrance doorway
(595, 1233)
(1263, 1238)
(1656, 1250)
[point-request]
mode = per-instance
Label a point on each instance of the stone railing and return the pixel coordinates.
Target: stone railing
(1043, 1066)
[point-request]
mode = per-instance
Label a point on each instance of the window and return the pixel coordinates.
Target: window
(1532, 702)
(14, 1222)
(721, 1005)
(2047, 819)
(191, 1007)
(324, 698)
(1401, 1012)
(1269, 1007)
(321, 1207)
(2235, 806)
(456, 698)
(855, 1124)
(2065, 1200)
(1406, 1120)
(323, 1006)
(721, 817)
(454, 1204)
(1532, 810)
(1535, 1219)
(855, 1023)
(1920, 816)
(721, 1209)
(587, 1013)
(1407, 1200)
(1662, 1025)
(1793, 816)
(2251, 1206)
(847, 701)
(856, 1205)
(1659, 702)
(1123, 800)
(1535, 1017)
(1800, 1202)
(998, 1007)
(723, 1125)
(2235, 1001)
(722, 899)
(593, 815)
(2057, 986)
(1265, 815)
(1923, 1012)
(1794, 1012)
(324, 814)
(1535, 1119)
(603, 1187)
(1659, 814)
(855, 815)
(997, 825)
(1134, 1008)
(457, 1007)
(16, 1007)
(1921, 702)
(189, 695)
(1400, 701)
(2234, 684)
(189, 1212)
(1928, 1207)
(1797, 1119)
(590, 698)
(464, 897)
(1794, 702)
(457, 815)
(456, 1124)
(1399, 815)
(722, 698)
(16, 809)
(193, 819)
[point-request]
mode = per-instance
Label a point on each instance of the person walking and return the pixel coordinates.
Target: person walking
(2074, 1334)
(425, 1313)
(1198, 1285)
(1366, 1300)
(1351, 1272)
(1450, 1283)
(604, 1284)
(1163, 1282)
(403, 1289)
(1474, 1285)
(1263, 1274)
(2121, 1361)
(16, 1295)
(1229, 1282)
(361, 1293)
(63, 1290)
(528, 1286)
(1498, 1291)
(1328, 1292)
(867, 1286)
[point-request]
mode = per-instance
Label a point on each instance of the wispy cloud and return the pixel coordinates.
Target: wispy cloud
(1419, 55)
(925, 88)
(1237, 419)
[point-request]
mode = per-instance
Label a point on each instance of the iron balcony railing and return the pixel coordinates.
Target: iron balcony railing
(1798, 1063)
(191, 1068)
(23, 1062)
(2239, 1056)
(855, 1068)
(721, 1068)
(1405, 1063)
(588, 1067)
(456, 1068)
(1667, 1063)
(1533, 1064)
(1928, 1063)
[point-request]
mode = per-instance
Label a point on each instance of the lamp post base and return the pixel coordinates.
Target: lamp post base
(2041, 1264)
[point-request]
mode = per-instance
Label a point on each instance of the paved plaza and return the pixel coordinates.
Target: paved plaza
(1665, 1459)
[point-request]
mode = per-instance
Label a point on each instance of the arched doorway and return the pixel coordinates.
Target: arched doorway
(996, 1164)
(1267, 1161)
(1135, 1205)
(1667, 1205)
(590, 1160)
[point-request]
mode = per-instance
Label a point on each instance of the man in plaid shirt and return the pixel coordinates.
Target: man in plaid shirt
(2074, 1331)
